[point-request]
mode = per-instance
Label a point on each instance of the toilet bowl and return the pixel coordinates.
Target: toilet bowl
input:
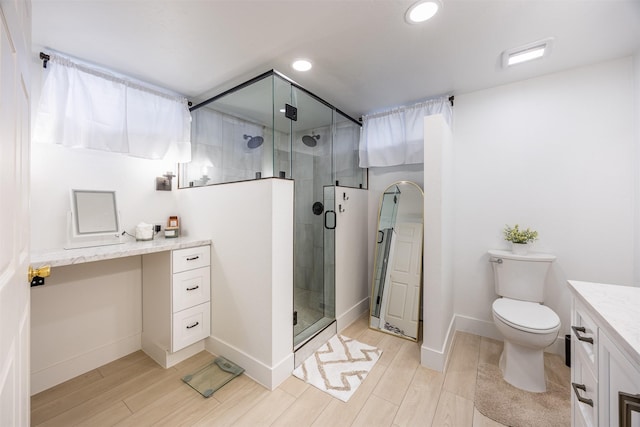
(528, 328)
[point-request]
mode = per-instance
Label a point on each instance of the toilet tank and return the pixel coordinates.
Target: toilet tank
(520, 277)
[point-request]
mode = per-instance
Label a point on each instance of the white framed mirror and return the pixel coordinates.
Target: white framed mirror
(93, 219)
(397, 269)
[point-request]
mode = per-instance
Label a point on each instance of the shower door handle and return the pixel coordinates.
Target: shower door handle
(381, 235)
(326, 214)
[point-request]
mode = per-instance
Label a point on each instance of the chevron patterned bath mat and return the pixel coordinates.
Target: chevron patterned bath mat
(339, 366)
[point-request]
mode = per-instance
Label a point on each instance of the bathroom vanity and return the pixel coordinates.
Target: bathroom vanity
(605, 355)
(102, 303)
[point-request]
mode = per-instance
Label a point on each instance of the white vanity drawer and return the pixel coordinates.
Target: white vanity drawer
(191, 288)
(191, 258)
(585, 334)
(585, 386)
(579, 421)
(190, 325)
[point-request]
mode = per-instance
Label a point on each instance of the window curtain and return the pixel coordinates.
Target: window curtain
(396, 137)
(82, 106)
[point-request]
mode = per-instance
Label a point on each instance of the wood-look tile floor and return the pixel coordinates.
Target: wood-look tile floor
(135, 391)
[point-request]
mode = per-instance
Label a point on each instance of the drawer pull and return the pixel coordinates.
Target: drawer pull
(577, 330)
(193, 326)
(582, 387)
(193, 258)
(194, 288)
(627, 403)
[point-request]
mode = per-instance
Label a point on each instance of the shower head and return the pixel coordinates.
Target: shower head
(253, 141)
(310, 140)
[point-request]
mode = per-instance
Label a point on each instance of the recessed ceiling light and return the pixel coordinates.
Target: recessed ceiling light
(422, 11)
(301, 65)
(527, 52)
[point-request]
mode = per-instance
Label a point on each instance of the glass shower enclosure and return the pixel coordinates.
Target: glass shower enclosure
(269, 127)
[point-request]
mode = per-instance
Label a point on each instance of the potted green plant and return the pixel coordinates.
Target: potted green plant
(519, 238)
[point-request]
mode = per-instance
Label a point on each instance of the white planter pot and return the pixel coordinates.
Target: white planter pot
(520, 248)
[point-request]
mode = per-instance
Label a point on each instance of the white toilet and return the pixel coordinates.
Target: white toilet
(528, 327)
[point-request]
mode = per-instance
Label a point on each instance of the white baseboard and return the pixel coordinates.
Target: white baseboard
(165, 359)
(78, 365)
(487, 329)
(478, 327)
(352, 314)
(437, 359)
(268, 376)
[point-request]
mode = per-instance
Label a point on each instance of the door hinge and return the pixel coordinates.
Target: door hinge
(295, 318)
(378, 300)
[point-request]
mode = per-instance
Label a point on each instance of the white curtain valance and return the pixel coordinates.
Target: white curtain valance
(82, 106)
(396, 137)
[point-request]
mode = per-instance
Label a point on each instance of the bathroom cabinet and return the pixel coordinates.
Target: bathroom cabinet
(176, 306)
(101, 286)
(605, 356)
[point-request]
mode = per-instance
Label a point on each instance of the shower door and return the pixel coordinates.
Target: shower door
(314, 217)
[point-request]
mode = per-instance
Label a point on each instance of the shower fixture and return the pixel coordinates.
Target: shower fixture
(310, 140)
(253, 141)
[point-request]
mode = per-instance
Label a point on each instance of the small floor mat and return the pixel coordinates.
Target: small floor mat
(339, 366)
(210, 378)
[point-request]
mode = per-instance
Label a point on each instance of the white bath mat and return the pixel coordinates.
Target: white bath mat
(339, 366)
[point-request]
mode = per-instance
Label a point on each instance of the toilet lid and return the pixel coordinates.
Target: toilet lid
(525, 314)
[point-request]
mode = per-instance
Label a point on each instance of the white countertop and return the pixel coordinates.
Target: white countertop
(62, 257)
(617, 308)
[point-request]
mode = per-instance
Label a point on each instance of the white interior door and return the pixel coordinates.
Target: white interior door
(403, 287)
(15, 46)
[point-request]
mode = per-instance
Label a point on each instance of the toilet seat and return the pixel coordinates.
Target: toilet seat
(526, 316)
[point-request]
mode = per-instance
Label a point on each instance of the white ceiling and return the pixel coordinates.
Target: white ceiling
(366, 58)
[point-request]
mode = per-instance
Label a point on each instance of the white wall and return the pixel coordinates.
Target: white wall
(438, 288)
(352, 286)
(55, 170)
(555, 153)
(251, 226)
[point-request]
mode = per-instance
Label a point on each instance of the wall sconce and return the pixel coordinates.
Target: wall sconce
(163, 183)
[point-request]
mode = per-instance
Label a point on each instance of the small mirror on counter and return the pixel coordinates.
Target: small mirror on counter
(93, 219)
(397, 270)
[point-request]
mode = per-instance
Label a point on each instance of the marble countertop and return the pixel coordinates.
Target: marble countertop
(617, 309)
(62, 257)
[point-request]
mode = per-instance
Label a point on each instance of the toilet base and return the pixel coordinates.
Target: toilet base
(523, 367)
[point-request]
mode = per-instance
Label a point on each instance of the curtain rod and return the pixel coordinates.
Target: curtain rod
(46, 58)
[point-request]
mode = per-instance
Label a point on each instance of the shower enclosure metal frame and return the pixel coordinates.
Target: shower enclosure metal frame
(270, 127)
